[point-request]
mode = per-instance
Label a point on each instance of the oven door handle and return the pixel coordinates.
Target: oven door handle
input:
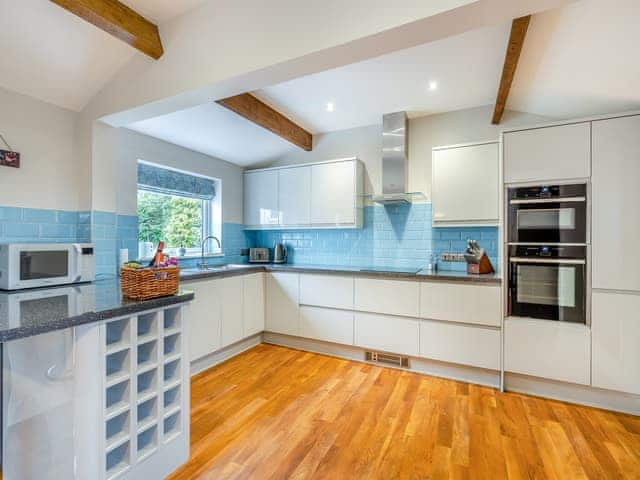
(557, 261)
(529, 201)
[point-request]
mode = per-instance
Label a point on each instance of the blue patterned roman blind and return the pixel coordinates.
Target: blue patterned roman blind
(163, 180)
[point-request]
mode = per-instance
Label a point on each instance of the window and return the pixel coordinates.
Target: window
(178, 208)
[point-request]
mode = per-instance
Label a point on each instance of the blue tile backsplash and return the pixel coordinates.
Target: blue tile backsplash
(392, 236)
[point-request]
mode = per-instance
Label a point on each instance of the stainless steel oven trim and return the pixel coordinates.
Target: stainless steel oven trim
(548, 200)
(558, 261)
(548, 244)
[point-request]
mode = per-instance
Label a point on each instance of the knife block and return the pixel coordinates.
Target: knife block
(482, 267)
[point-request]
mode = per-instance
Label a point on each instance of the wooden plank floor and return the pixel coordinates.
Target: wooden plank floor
(276, 413)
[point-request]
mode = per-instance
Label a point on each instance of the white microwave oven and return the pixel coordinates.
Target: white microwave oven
(32, 265)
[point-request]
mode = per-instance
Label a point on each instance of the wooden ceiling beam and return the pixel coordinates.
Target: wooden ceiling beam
(120, 21)
(519, 28)
(258, 112)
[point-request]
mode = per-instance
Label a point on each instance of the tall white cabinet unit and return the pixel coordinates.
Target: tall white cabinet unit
(318, 195)
(466, 185)
(615, 203)
(615, 315)
(557, 152)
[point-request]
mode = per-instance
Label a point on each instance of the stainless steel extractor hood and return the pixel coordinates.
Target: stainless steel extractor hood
(394, 160)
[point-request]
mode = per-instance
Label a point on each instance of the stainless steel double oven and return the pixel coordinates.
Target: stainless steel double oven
(547, 252)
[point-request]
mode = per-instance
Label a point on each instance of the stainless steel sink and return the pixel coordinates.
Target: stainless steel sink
(215, 268)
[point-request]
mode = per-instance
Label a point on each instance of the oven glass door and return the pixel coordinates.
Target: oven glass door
(558, 222)
(547, 290)
(44, 264)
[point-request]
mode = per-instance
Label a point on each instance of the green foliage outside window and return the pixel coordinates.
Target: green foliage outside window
(175, 220)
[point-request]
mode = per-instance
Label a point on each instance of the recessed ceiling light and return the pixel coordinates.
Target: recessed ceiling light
(330, 107)
(433, 85)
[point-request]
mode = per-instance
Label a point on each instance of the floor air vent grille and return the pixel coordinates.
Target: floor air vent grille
(388, 358)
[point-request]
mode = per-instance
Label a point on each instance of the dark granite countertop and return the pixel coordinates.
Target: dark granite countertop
(25, 313)
(376, 272)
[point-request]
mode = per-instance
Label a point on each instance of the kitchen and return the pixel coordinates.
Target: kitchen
(396, 277)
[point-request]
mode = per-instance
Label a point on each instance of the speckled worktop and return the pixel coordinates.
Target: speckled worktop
(25, 313)
(376, 272)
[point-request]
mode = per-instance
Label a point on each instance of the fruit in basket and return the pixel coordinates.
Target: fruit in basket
(133, 265)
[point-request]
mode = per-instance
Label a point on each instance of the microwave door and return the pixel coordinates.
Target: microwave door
(552, 289)
(548, 223)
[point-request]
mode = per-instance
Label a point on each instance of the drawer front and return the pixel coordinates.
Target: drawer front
(548, 349)
(327, 324)
(393, 297)
(326, 291)
(468, 345)
(478, 304)
(387, 333)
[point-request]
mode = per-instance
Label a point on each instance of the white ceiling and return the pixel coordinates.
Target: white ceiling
(580, 60)
(216, 131)
(52, 55)
(466, 68)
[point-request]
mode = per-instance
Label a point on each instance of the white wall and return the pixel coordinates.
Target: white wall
(131, 146)
(45, 137)
(450, 128)
(426, 132)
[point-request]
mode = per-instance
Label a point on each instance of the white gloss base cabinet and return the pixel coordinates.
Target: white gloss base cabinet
(393, 297)
(326, 324)
(253, 303)
(224, 312)
(282, 303)
(464, 344)
(548, 349)
(460, 176)
(387, 333)
(331, 291)
(558, 152)
(475, 304)
(615, 329)
(390, 315)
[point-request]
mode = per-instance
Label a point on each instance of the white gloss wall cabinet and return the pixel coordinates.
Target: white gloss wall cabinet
(548, 349)
(318, 195)
(294, 196)
(615, 330)
(261, 198)
(253, 303)
(464, 303)
(464, 344)
(548, 153)
(466, 185)
(327, 324)
(282, 303)
(231, 295)
(615, 203)
(393, 297)
(326, 291)
(336, 193)
(387, 333)
(205, 314)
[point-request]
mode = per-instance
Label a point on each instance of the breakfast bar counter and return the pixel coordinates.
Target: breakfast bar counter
(93, 385)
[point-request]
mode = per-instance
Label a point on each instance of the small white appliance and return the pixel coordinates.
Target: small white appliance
(31, 265)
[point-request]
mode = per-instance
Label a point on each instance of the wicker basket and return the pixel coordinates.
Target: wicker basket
(147, 283)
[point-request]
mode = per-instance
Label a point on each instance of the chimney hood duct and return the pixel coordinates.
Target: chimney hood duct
(394, 160)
